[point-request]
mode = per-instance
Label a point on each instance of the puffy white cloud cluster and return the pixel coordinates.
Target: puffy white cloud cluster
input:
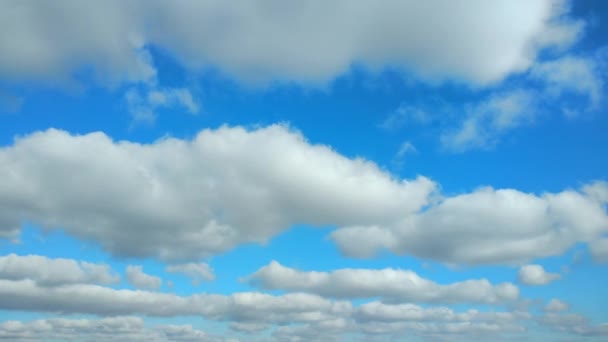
(301, 40)
(179, 199)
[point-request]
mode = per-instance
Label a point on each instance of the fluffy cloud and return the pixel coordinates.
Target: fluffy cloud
(488, 226)
(104, 329)
(196, 271)
(54, 272)
(536, 275)
(138, 278)
(178, 199)
(391, 285)
(302, 40)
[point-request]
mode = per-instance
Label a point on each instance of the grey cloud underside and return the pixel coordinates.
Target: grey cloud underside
(391, 285)
(187, 199)
(304, 41)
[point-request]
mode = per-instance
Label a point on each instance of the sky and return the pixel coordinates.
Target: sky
(386, 170)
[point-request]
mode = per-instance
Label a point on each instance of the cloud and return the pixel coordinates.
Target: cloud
(138, 278)
(573, 324)
(54, 272)
(487, 226)
(486, 121)
(556, 305)
(103, 329)
(536, 275)
(392, 285)
(196, 271)
(403, 115)
(599, 249)
(184, 200)
(143, 108)
(26, 295)
(301, 41)
(571, 74)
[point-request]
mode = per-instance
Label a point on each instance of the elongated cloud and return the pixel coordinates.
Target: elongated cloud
(392, 285)
(489, 226)
(47, 271)
(179, 199)
(301, 40)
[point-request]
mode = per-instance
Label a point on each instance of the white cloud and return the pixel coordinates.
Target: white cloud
(393, 285)
(143, 108)
(138, 278)
(573, 74)
(487, 226)
(196, 271)
(485, 122)
(177, 199)
(556, 305)
(54, 272)
(536, 275)
(302, 41)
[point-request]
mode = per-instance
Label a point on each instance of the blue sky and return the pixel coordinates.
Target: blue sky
(303, 171)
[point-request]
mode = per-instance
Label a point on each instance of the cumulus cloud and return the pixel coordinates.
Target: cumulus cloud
(392, 285)
(302, 41)
(180, 199)
(536, 275)
(487, 226)
(103, 329)
(196, 271)
(54, 272)
(138, 278)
